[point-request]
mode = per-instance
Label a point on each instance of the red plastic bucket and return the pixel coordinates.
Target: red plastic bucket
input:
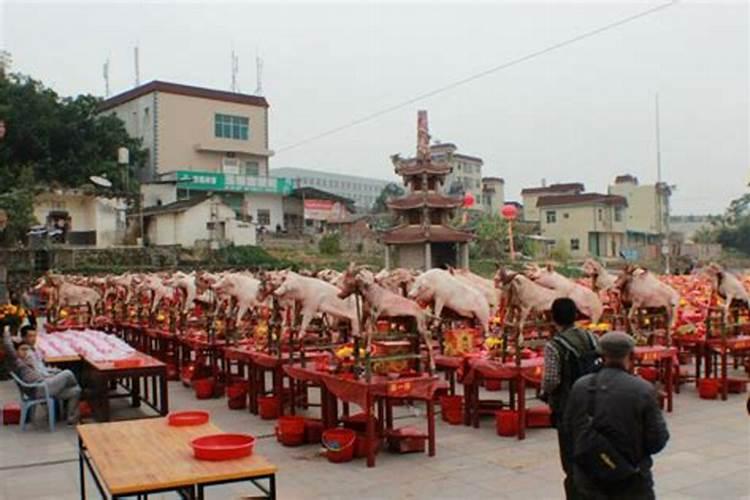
(539, 416)
(237, 403)
(204, 388)
(313, 430)
(362, 445)
(708, 388)
(291, 430)
(237, 390)
(450, 407)
(649, 373)
(339, 444)
(506, 422)
(268, 407)
(493, 384)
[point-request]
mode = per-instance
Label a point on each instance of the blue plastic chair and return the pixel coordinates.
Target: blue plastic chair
(28, 403)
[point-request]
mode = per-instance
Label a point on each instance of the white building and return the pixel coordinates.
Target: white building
(362, 190)
(82, 218)
(199, 219)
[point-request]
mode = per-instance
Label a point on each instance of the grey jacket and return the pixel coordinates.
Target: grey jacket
(25, 370)
(626, 411)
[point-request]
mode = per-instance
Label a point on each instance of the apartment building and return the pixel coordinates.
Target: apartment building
(202, 141)
(530, 196)
(648, 209)
(466, 170)
(362, 190)
(584, 223)
(493, 194)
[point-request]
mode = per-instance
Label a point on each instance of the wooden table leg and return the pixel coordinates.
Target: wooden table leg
(164, 389)
(431, 427)
(135, 391)
(475, 402)
(370, 431)
(670, 379)
(724, 381)
(521, 384)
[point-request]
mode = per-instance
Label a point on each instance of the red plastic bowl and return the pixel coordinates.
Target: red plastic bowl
(223, 446)
(128, 363)
(184, 418)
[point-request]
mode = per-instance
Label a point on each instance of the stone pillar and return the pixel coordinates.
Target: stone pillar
(427, 256)
(387, 256)
(465, 255)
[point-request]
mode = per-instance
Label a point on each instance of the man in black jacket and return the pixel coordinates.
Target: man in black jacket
(559, 376)
(626, 412)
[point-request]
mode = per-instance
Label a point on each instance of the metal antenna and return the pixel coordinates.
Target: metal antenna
(105, 74)
(235, 70)
(658, 142)
(258, 75)
(137, 67)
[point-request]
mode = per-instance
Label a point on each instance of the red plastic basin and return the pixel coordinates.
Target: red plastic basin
(189, 417)
(128, 363)
(223, 446)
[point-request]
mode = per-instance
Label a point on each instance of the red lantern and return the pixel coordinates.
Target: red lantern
(468, 200)
(509, 211)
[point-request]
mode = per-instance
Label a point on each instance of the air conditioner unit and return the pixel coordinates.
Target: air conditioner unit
(230, 166)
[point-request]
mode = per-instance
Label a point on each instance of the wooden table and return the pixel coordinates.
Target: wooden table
(380, 391)
(148, 456)
(664, 358)
(723, 347)
(478, 368)
(145, 383)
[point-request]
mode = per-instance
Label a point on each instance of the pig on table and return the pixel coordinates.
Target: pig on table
(727, 286)
(316, 296)
(383, 303)
(243, 288)
(525, 296)
(444, 290)
(639, 288)
(587, 301)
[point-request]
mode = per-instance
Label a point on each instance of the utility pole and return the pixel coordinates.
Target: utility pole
(137, 66)
(662, 193)
(105, 74)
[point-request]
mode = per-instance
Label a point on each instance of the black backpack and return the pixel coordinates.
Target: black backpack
(579, 364)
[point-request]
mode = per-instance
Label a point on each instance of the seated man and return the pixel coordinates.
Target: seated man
(29, 367)
(29, 336)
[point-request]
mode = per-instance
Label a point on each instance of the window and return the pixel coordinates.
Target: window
(231, 127)
(251, 168)
(551, 216)
(575, 244)
(601, 215)
(264, 217)
(566, 215)
(618, 214)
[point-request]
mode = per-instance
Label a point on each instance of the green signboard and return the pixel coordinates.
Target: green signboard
(212, 181)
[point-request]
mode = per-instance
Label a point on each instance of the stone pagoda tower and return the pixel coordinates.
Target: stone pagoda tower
(423, 239)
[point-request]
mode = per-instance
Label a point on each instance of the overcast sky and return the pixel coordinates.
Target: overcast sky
(581, 113)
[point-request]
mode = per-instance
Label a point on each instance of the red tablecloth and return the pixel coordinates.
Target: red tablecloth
(530, 369)
(357, 391)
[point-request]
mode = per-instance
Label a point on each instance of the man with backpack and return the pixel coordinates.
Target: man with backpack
(616, 425)
(568, 356)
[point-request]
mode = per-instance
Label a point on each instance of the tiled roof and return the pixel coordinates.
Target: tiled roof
(175, 206)
(186, 90)
(582, 199)
(418, 234)
(555, 188)
(416, 200)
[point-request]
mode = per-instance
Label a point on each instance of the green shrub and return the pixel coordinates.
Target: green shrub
(330, 244)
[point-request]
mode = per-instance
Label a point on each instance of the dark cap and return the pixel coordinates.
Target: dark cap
(616, 344)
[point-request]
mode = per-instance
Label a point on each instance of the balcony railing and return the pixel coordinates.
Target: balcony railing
(217, 181)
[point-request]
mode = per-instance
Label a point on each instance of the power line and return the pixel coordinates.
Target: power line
(482, 74)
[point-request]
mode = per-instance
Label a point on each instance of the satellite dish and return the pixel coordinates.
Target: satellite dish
(101, 181)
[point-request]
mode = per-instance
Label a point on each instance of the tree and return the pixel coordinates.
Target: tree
(733, 229)
(390, 190)
(491, 236)
(705, 234)
(63, 140)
